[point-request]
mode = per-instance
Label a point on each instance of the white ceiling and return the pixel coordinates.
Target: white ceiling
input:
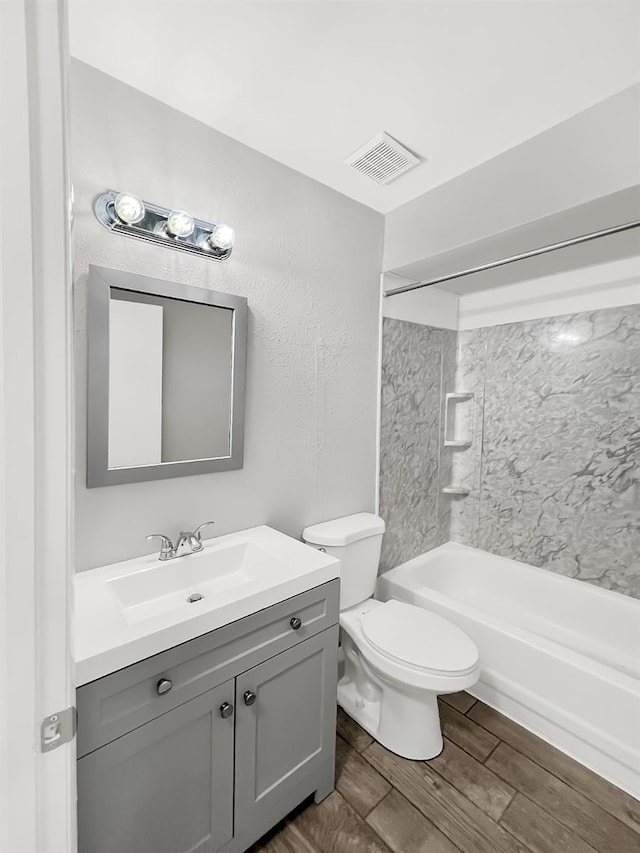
(309, 81)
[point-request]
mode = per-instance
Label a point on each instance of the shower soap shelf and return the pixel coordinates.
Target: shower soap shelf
(455, 490)
(458, 419)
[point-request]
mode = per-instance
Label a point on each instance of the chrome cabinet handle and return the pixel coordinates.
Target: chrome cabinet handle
(164, 686)
(226, 710)
(249, 697)
(295, 623)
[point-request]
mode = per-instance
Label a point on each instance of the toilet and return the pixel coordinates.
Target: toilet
(397, 657)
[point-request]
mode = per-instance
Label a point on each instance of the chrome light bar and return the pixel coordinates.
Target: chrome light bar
(150, 223)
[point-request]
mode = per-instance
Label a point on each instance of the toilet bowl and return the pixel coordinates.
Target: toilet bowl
(397, 657)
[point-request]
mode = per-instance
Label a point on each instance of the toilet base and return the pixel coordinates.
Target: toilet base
(407, 723)
(395, 702)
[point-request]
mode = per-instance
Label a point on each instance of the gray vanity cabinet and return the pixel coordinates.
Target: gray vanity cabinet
(206, 746)
(166, 787)
(285, 728)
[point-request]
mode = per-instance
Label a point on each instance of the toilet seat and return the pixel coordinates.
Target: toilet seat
(419, 639)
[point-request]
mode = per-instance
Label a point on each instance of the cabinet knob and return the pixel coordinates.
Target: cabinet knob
(164, 686)
(295, 623)
(249, 697)
(226, 710)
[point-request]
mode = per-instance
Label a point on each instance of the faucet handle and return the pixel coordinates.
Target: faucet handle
(197, 533)
(167, 551)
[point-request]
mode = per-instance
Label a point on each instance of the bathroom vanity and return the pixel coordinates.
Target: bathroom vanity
(204, 746)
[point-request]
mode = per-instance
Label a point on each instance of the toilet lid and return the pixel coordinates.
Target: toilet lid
(417, 637)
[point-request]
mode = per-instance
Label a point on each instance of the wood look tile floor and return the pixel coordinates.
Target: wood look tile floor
(495, 788)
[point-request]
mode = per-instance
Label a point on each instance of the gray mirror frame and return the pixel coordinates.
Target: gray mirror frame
(101, 280)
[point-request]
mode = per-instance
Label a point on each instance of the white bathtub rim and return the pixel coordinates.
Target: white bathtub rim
(626, 680)
(561, 729)
(623, 680)
(587, 588)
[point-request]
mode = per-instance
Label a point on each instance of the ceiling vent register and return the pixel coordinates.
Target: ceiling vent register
(382, 159)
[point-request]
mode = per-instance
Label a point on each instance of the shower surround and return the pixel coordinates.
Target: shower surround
(554, 469)
(417, 362)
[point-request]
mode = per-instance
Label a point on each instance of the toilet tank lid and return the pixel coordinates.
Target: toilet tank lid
(345, 530)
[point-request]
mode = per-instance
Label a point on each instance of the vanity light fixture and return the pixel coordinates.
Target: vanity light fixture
(222, 237)
(127, 214)
(129, 208)
(180, 223)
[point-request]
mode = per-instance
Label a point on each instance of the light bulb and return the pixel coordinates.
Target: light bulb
(180, 223)
(129, 208)
(222, 237)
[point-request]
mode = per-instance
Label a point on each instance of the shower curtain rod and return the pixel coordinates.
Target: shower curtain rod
(616, 229)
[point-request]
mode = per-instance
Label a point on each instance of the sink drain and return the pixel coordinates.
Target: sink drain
(195, 597)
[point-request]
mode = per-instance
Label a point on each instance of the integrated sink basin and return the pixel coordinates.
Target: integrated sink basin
(127, 611)
(215, 572)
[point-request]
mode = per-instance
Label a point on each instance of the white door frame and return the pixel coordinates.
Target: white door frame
(37, 791)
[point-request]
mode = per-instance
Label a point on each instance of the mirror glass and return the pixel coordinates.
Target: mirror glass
(166, 369)
(169, 380)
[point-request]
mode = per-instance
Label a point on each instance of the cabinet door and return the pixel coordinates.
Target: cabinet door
(287, 732)
(166, 787)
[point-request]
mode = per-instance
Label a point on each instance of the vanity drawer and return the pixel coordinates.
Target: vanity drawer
(114, 705)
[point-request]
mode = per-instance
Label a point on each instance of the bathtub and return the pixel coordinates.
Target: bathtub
(559, 656)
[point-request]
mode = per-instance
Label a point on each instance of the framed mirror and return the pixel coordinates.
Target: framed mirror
(166, 379)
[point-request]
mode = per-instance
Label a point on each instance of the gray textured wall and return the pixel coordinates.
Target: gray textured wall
(554, 470)
(307, 259)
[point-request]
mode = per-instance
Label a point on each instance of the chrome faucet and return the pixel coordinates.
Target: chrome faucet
(187, 543)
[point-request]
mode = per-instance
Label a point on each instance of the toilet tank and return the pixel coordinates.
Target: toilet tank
(355, 540)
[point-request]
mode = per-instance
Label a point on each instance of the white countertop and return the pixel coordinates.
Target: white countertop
(114, 628)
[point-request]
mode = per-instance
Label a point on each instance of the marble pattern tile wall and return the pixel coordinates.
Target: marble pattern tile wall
(560, 479)
(410, 438)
